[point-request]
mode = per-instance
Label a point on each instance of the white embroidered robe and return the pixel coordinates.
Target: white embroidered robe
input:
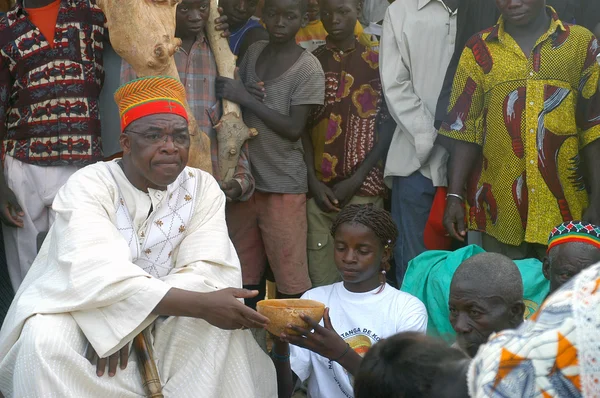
(83, 286)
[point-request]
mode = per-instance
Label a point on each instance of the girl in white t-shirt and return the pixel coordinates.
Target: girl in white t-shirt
(363, 308)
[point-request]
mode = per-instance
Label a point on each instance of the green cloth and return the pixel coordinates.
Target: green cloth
(429, 275)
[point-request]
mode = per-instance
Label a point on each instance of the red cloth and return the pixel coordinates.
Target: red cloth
(435, 236)
(45, 19)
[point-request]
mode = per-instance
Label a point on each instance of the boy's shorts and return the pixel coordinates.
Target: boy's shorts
(273, 226)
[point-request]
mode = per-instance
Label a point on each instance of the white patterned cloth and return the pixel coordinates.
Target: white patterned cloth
(84, 286)
(555, 354)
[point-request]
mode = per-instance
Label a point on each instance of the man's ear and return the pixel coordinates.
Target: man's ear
(125, 141)
(546, 267)
(517, 312)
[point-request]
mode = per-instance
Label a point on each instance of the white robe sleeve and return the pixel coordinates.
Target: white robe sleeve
(205, 261)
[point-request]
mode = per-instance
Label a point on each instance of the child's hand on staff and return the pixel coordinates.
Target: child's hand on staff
(222, 25)
(232, 89)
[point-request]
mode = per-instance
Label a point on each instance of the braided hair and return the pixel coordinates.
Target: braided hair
(376, 219)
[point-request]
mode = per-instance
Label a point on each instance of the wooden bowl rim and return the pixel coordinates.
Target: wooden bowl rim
(308, 304)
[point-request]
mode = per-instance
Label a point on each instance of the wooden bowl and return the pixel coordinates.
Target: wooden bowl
(287, 311)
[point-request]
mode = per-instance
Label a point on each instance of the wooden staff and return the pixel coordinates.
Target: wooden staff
(231, 130)
(145, 353)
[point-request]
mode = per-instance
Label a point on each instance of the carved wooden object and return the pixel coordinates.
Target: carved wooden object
(231, 130)
(142, 32)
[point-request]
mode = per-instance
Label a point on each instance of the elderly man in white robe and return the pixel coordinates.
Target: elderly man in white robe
(138, 242)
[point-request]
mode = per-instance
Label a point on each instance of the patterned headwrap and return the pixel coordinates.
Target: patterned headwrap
(150, 96)
(574, 231)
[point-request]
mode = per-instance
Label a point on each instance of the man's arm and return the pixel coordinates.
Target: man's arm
(588, 123)
(323, 195)
(404, 104)
(461, 135)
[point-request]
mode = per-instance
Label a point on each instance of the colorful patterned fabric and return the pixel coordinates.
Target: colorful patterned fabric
(198, 73)
(313, 35)
(574, 231)
(429, 276)
(344, 129)
(531, 116)
(149, 96)
(553, 355)
(49, 113)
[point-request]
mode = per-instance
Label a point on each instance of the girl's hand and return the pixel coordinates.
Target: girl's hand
(323, 341)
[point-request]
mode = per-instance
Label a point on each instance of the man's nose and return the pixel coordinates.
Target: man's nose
(514, 3)
(194, 15)
(168, 145)
(461, 324)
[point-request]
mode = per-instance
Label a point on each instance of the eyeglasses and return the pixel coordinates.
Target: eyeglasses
(181, 139)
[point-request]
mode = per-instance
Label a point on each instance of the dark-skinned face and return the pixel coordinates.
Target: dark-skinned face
(191, 17)
(568, 260)
(359, 257)
(475, 314)
(339, 18)
(520, 12)
(283, 19)
(155, 164)
(313, 10)
(238, 11)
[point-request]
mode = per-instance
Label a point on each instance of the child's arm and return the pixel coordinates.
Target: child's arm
(289, 127)
(324, 196)
(326, 342)
(285, 376)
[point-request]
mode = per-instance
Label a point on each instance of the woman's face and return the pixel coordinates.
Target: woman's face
(359, 256)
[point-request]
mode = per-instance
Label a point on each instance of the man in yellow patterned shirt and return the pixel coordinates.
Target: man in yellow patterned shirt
(523, 125)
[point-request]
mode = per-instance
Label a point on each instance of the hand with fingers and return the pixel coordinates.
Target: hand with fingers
(323, 195)
(324, 340)
(454, 218)
(222, 25)
(224, 310)
(11, 212)
(232, 190)
(257, 90)
(233, 89)
(345, 190)
(120, 357)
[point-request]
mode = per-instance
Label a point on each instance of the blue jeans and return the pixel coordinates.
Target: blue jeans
(412, 198)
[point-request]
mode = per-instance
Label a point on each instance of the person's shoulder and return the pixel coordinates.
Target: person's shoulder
(310, 63)
(320, 293)
(206, 182)
(404, 300)
(577, 32)
(257, 46)
(92, 180)
(403, 7)
(321, 52)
